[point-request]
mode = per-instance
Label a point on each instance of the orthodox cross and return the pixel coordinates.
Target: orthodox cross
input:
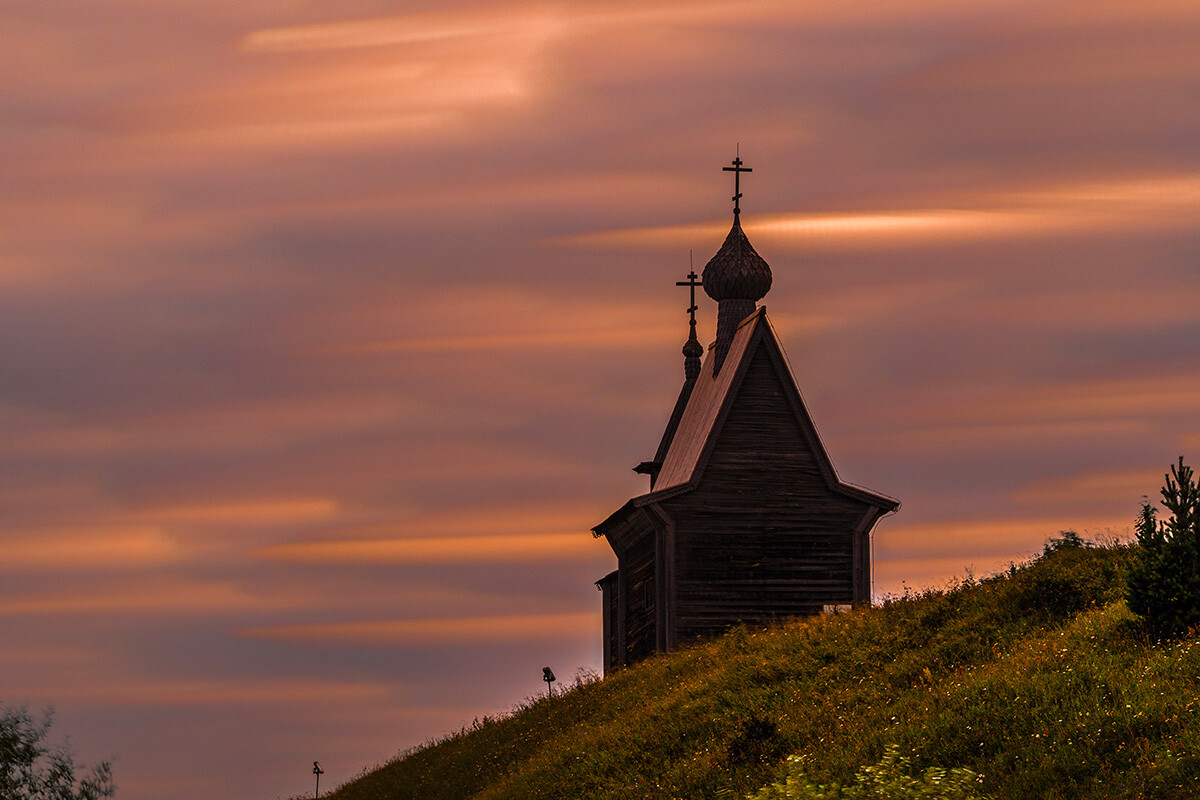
(737, 169)
(692, 283)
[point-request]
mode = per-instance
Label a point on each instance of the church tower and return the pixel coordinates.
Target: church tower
(746, 519)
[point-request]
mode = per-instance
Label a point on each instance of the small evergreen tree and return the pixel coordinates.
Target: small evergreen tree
(1163, 584)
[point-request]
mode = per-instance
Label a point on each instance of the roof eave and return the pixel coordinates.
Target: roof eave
(881, 501)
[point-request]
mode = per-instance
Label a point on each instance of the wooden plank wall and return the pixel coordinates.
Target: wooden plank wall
(609, 588)
(638, 589)
(763, 535)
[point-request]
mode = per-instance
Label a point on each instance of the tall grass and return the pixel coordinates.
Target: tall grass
(1039, 679)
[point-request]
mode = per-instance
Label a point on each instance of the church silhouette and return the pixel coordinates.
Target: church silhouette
(746, 519)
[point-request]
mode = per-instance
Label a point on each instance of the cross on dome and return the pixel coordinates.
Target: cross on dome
(692, 350)
(693, 283)
(737, 169)
(736, 277)
(737, 272)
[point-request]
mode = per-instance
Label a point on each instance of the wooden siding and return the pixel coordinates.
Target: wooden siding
(638, 594)
(747, 520)
(635, 635)
(763, 535)
(610, 602)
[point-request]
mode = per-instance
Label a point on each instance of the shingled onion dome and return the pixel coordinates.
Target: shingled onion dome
(736, 277)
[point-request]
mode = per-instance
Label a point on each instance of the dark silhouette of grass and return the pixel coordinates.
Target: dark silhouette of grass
(1038, 678)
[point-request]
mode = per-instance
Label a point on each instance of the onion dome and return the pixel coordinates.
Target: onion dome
(736, 277)
(737, 272)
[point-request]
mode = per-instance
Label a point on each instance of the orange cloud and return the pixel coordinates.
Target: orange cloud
(1023, 413)
(996, 436)
(433, 74)
(155, 597)
(496, 521)
(449, 549)
(608, 338)
(243, 425)
(408, 29)
(499, 318)
(528, 627)
(99, 690)
(1135, 399)
(95, 547)
(984, 539)
(437, 73)
(1094, 488)
(1123, 204)
(1107, 61)
(555, 21)
(253, 513)
(540, 518)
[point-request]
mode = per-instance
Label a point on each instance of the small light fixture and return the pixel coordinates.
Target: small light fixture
(548, 677)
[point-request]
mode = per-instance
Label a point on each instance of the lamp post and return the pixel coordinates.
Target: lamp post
(548, 677)
(318, 772)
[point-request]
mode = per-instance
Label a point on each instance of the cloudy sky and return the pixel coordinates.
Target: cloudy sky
(330, 329)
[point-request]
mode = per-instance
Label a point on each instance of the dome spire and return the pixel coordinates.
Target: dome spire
(692, 349)
(736, 277)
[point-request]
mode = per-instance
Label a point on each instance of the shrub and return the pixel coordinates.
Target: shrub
(1163, 584)
(1070, 576)
(887, 780)
(29, 770)
(757, 740)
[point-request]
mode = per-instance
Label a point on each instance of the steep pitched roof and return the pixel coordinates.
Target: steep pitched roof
(709, 401)
(703, 409)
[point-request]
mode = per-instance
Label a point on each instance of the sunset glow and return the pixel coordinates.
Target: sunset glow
(329, 333)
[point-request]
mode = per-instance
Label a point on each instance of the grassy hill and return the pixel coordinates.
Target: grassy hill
(1038, 678)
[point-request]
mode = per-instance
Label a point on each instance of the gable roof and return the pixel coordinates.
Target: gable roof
(709, 402)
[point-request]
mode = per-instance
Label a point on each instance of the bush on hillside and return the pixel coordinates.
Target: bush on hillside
(1163, 585)
(1065, 579)
(890, 779)
(31, 770)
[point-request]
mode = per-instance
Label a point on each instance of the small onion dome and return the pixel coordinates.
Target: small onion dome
(693, 348)
(736, 272)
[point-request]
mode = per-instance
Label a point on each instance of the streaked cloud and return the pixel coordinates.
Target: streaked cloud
(1092, 488)
(439, 70)
(99, 547)
(999, 436)
(547, 21)
(1167, 201)
(255, 513)
(436, 631)
(245, 694)
(329, 334)
(458, 549)
(1012, 538)
(155, 598)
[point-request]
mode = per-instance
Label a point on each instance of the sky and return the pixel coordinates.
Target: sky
(329, 330)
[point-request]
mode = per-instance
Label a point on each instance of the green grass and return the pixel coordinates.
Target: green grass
(1039, 679)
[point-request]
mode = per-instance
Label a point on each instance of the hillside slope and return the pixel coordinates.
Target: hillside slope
(1039, 679)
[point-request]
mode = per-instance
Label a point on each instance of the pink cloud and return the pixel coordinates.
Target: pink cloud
(412, 631)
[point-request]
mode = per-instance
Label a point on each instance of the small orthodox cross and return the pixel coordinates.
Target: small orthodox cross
(737, 169)
(692, 283)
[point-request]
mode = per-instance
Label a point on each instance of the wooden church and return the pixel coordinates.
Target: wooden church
(746, 519)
